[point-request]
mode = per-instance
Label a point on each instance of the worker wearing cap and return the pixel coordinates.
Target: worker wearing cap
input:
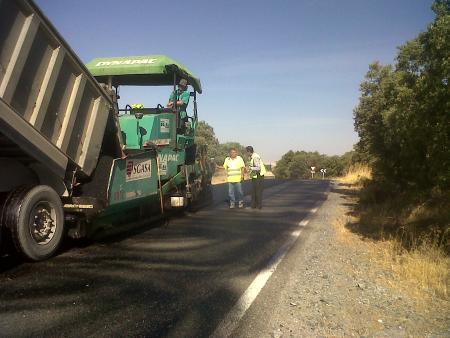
(234, 167)
(257, 172)
(181, 96)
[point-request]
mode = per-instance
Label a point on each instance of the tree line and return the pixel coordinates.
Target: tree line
(292, 164)
(403, 115)
(297, 165)
(205, 135)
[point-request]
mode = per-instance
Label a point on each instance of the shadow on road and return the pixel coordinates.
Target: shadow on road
(175, 280)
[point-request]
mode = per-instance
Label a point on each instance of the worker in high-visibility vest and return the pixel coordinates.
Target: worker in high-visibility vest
(257, 172)
(235, 167)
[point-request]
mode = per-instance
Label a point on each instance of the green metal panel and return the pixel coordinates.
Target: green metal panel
(132, 179)
(169, 160)
(130, 131)
(157, 129)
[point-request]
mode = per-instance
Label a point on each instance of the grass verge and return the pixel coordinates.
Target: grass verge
(410, 239)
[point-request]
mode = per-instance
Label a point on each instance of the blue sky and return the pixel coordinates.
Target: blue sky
(278, 75)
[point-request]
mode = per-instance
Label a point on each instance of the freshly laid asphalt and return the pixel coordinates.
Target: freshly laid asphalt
(175, 280)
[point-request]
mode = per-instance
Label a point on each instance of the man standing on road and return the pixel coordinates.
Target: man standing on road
(234, 167)
(181, 97)
(257, 172)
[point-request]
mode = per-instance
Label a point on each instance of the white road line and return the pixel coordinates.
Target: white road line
(304, 222)
(231, 320)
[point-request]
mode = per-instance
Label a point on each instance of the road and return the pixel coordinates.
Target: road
(177, 280)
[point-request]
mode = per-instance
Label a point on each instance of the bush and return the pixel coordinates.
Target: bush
(294, 165)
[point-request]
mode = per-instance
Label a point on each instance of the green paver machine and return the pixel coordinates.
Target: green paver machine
(183, 171)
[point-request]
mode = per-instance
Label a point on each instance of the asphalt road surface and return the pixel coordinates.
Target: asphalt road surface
(182, 279)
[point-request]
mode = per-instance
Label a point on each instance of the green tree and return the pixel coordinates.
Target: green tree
(403, 115)
(281, 169)
(297, 165)
(205, 136)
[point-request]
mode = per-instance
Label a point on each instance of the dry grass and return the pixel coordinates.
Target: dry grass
(426, 268)
(219, 176)
(422, 271)
(342, 233)
(356, 175)
(417, 260)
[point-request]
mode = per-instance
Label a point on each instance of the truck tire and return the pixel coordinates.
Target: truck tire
(35, 219)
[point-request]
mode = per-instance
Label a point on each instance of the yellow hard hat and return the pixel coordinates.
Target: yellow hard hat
(137, 106)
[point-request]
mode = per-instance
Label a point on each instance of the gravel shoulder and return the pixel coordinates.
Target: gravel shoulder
(328, 286)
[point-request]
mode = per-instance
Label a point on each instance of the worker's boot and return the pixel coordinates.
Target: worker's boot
(231, 205)
(241, 204)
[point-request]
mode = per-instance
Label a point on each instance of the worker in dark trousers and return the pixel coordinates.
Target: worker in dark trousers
(257, 172)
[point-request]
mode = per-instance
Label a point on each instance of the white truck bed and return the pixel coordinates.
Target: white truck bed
(51, 108)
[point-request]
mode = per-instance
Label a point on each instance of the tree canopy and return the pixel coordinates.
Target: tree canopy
(219, 151)
(403, 115)
(295, 165)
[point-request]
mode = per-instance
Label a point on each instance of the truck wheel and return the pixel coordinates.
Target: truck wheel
(35, 219)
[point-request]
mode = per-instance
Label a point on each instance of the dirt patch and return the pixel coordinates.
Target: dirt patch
(219, 177)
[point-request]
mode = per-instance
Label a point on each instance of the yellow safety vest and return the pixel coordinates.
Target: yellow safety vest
(262, 172)
(233, 168)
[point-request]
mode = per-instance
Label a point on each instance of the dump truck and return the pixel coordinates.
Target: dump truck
(71, 161)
